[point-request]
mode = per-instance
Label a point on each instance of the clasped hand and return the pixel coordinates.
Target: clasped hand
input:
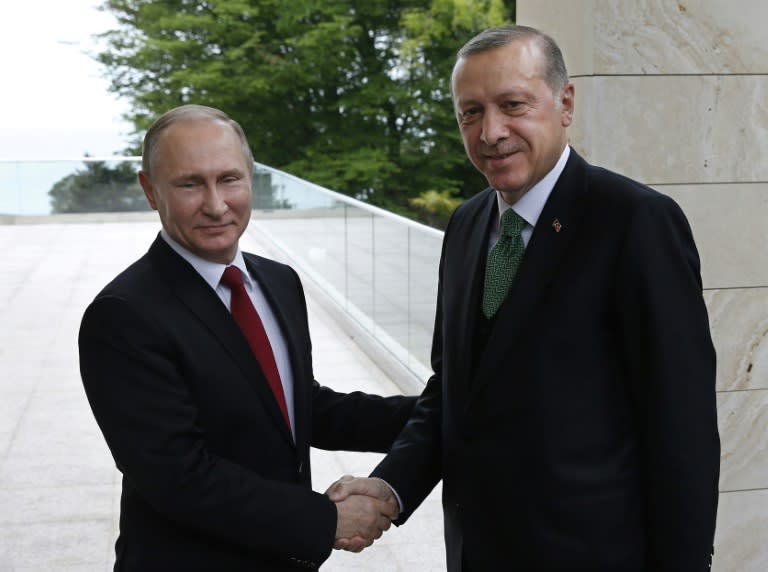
(366, 508)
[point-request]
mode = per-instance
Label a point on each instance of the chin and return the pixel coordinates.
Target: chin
(506, 186)
(504, 179)
(217, 249)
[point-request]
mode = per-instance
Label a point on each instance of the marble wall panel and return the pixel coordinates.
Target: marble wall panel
(680, 37)
(730, 226)
(739, 324)
(569, 23)
(673, 130)
(742, 530)
(673, 93)
(655, 37)
(743, 422)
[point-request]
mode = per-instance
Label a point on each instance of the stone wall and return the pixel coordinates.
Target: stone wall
(675, 94)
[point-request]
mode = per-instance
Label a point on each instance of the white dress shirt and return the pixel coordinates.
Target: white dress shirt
(530, 205)
(212, 272)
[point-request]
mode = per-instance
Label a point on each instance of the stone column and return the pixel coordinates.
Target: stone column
(674, 93)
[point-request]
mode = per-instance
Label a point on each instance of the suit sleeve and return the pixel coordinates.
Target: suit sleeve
(671, 367)
(414, 464)
(147, 414)
(357, 421)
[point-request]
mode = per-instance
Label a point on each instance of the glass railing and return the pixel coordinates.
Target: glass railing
(379, 267)
(86, 184)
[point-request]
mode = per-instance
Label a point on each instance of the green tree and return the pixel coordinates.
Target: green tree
(99, 188)
(436, 206)
(350, 94)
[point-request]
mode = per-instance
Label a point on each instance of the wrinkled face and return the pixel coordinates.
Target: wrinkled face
(513, 126)
(200, 185)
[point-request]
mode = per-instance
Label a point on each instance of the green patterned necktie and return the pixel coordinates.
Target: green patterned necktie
(503, 261)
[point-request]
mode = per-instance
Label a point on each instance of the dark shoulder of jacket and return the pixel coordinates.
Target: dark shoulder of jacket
(267, 265)
(137, 278)
(471, 209)
(619, 191)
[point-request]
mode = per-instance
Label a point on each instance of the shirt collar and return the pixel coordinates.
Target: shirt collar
(531, 204)
(211, 272)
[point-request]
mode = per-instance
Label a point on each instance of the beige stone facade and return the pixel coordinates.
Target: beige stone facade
(674, 93)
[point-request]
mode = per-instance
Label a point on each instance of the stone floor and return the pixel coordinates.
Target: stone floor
(59, 489)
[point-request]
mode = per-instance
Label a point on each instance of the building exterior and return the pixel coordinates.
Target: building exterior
(674, 93)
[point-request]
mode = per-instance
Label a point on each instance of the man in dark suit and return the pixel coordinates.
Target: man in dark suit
(212, 439)
(571, 415)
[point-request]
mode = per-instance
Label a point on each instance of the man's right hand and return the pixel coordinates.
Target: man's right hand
(366, 508)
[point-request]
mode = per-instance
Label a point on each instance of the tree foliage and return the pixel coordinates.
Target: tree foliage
(99, 188)
(436, 206)
(350, 94)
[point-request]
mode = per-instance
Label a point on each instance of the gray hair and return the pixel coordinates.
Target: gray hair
(187, 113)
(555, 73)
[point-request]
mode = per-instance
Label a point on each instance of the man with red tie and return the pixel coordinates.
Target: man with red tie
(196, 361)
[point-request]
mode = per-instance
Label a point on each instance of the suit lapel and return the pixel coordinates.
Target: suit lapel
(196, 295)
(466, 306)
(555, 230)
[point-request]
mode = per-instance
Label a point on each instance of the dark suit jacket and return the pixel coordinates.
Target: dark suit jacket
(211, 477)
(583, 435)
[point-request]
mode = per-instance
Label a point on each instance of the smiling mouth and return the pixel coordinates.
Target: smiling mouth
(207, 227)
(496, 155)
(498, 159)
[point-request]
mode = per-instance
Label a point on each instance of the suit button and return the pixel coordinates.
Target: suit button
(301, 466)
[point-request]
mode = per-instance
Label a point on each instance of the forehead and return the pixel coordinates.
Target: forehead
(520, 63)
(196, 130)
(199, 141)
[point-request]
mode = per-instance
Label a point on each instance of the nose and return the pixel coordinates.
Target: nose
(214, 204)
(494, 128)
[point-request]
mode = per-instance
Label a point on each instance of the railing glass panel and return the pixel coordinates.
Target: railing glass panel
(380, 267)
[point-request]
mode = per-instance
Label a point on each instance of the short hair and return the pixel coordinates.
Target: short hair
(188, 113)
(555, 73)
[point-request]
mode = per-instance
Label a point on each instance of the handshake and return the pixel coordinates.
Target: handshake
(365, 507)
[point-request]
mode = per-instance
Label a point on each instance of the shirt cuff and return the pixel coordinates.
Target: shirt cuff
(394, 492)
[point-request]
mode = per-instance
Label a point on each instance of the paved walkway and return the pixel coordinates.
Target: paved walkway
(59, 489)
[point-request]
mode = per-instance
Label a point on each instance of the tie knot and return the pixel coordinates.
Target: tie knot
(511, 223)
(231, 277)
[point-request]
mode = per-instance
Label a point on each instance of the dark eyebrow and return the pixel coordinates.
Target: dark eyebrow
(197, 177)
(514, 94)
(187, 177)
(232, 173)
(467, 103)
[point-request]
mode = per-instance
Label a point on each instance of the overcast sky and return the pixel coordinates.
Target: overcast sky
(53, 100)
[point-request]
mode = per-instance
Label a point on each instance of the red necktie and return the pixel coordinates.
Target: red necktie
(248, 319)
